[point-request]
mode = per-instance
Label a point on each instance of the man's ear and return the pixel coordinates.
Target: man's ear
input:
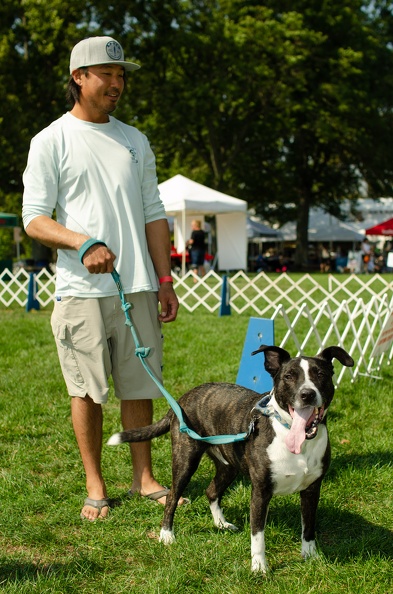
(77, 76)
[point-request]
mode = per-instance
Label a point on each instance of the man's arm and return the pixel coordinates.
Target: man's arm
(159, 243)
(98, 259)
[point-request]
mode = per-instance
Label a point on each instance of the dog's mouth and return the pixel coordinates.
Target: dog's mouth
(305, 422)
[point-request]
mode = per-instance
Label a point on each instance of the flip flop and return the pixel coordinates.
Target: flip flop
(152, 496)
(97, 504)
(156, 495)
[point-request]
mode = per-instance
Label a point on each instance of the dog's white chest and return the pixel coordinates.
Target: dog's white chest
(294, 472)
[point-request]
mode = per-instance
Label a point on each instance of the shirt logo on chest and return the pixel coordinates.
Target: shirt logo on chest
(133, 154)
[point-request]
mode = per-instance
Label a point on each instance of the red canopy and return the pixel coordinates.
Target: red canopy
(385, 228)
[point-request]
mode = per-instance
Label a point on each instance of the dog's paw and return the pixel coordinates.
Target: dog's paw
(309, 549)
(258, 557)
(167, 536)
(227, 526)
(219, 518)
(258, 563)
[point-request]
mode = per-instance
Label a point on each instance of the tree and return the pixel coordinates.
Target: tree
(213, 85)
(340, 120)
(287, 105)
(36, 39)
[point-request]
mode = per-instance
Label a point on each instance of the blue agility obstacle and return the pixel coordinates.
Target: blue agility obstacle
(225, 308)
(252, 373)
(32, 302)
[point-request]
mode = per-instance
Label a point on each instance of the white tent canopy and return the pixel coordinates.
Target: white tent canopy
(323, 227)
(185, 200)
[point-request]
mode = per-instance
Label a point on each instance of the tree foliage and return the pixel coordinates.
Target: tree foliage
(285, 104)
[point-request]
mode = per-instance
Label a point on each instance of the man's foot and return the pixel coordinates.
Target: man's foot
(157, 496)
(96, 509)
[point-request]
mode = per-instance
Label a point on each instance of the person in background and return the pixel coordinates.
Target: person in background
(366, 254)
(325, 259)
(386, 250)
(99, 175)
(197, 248)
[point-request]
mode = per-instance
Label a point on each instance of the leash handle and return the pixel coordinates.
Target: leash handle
(88, 244)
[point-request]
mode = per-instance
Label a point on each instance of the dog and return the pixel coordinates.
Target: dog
(287, 449)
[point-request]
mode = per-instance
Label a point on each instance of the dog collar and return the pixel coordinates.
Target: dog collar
(267, 410)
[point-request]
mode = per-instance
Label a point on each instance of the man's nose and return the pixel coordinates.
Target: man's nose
(117, 82)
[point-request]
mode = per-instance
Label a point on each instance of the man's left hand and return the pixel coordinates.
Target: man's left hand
(169, 303)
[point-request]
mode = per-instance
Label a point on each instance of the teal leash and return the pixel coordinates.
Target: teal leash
(142, 352)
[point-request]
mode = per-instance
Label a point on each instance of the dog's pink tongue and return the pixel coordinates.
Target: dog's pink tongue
(297, 433)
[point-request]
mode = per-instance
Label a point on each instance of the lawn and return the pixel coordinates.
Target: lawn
(46, 548)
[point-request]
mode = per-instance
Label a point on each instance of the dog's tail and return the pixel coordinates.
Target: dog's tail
(142, 433)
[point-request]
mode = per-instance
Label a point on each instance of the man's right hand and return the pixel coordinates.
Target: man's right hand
(99, 259)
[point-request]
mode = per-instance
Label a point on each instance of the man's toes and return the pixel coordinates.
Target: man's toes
(90, 513)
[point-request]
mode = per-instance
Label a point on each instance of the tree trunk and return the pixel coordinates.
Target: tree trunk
(301, 251)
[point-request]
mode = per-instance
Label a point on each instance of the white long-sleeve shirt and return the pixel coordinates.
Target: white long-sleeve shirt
(101, 180)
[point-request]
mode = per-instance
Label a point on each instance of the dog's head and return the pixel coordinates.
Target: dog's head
(303, 387)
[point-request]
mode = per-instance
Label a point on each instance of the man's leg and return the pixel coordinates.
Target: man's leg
(134, 414)
(139, 413)
(87, 422)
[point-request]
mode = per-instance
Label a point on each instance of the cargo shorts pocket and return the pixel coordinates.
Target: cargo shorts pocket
(66, 351)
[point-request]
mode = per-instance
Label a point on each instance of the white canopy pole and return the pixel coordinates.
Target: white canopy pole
(183, 257)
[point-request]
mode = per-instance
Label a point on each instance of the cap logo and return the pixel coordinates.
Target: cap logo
(114, 51)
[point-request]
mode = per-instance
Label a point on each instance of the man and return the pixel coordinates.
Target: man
(99, 175)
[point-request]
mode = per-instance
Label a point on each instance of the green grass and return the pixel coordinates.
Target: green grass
(45, 548)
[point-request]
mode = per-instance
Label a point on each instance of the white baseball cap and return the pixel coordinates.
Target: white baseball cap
(99, 50)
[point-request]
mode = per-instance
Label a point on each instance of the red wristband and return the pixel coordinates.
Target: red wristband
(165, 279)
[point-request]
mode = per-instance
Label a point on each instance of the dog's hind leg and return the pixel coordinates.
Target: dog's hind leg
(309, 499)
(224, 477)
(186, 455)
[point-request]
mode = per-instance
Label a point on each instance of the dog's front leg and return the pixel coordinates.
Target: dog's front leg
(309, 499)
(258, 515)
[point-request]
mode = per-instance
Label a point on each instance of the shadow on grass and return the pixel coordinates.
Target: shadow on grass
(358, 461)
(342, 534)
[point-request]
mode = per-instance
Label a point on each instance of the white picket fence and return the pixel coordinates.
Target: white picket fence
(350, 311)
(357, 329)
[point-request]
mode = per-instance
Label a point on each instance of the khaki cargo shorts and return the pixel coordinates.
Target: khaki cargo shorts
(93, 343)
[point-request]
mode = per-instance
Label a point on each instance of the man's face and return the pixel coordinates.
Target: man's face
(101, 89)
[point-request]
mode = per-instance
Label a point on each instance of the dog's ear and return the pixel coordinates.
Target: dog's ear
(274, 357)
(336, 352)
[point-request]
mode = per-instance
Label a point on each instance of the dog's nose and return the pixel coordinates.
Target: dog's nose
(307, 395)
